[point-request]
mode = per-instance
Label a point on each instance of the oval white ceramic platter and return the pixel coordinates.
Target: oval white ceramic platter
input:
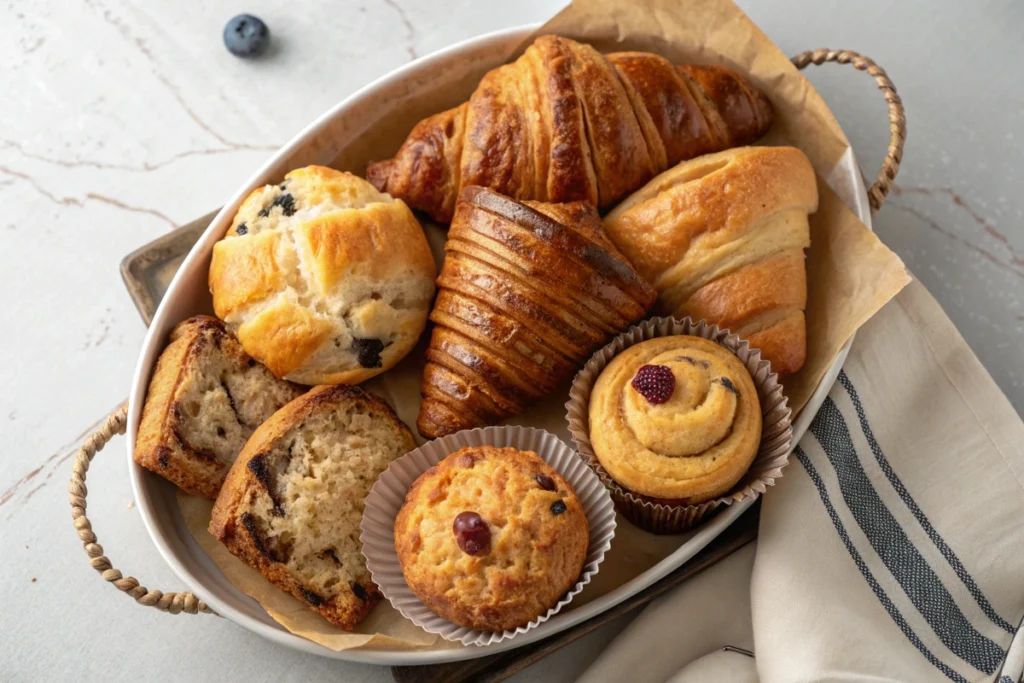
(443, 79)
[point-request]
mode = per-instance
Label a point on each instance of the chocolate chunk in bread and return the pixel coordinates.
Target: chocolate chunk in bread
(205, 399)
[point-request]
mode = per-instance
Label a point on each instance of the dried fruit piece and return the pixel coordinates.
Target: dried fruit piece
(368, 352)
(727, 383)
(655, 383)
(472, 533)
(546, 482)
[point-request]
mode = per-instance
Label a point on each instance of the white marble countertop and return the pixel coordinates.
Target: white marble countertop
(123, 119)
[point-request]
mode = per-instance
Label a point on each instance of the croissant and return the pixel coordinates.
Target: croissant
(565, 123)
(722, 239)
(526, 293)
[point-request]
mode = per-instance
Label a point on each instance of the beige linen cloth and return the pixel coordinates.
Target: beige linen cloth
(891, 550)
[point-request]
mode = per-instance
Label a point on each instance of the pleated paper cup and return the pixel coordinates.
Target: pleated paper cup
(663, 516)
(388, 494)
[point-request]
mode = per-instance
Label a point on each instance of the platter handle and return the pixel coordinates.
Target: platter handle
(174, 603)
(897, 115)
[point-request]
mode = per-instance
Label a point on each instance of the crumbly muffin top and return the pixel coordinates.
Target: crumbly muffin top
(491, 538)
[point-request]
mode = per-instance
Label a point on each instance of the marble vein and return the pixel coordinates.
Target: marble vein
(144, 167)
(1015, 264)
(125, 30)
(51, 465)
(410, 31)
(89, 196)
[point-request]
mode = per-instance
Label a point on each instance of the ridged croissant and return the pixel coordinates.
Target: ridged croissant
(722, 238)
(527, 292)
(565, 123)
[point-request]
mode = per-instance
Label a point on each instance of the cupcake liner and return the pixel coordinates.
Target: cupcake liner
(666, 517)
(388, 494)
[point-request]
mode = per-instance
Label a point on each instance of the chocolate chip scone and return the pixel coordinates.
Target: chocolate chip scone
(323, 278)
(205, 399)
(292, 503)
(491, 538)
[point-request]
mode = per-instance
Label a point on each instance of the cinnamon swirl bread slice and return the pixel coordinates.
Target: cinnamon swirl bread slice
(205, 399)
(292, 502)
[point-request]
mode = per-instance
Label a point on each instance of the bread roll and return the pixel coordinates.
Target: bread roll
(324, 279)
(722, 238)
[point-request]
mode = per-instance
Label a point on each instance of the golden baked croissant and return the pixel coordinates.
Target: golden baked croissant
(527, 292)
(722, 239)
(565, 123)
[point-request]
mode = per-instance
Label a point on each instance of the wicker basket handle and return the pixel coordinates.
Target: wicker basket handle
(897, 116)
(94, 443)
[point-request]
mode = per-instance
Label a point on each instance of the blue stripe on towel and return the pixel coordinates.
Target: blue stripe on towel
(895, 549)
(922, 519)
(869, 577)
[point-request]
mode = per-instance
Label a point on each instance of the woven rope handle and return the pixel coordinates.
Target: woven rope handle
(897, 116)
(165, 602)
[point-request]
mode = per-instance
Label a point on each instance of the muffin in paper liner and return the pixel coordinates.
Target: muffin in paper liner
(388, 494)
(666, 517)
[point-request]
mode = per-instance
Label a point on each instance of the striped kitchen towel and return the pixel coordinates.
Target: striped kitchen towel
(893, 548)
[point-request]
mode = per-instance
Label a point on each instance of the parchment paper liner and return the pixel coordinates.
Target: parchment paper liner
(776, 431)
(388, 494)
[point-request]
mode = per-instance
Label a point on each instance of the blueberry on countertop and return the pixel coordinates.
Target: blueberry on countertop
(246, 36)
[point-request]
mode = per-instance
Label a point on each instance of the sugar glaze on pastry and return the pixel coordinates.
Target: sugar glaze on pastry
(690, 446)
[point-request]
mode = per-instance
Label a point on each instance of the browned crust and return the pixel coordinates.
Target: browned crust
(228, 522)
(159, 446)
(784, 343)
(565, 123)
(745, 112)
(526, 293)
(730, 195)
(681, 127)
(425, 171)
(504, 611)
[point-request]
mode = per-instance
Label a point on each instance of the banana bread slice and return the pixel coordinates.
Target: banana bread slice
(205, 399)
(292, 502)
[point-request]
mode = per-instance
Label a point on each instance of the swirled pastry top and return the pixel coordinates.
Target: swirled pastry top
(491, 538)
(324, 279)
(700, 435)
